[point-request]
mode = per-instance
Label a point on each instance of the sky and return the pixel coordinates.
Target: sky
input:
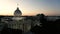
(30, 7)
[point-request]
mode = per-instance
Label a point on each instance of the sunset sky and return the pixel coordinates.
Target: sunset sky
(30, 7)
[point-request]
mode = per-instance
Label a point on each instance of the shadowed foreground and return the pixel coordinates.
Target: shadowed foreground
(11, 31)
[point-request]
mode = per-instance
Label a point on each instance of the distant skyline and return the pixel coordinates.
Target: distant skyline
(30, 7)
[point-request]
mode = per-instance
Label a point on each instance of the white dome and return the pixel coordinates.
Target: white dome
(17, 12)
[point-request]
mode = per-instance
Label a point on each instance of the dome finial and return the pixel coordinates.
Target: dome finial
(17, 4)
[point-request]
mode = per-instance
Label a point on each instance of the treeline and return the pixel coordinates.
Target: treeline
(48, 27)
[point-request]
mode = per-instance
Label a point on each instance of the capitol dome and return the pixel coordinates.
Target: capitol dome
(17, 12)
